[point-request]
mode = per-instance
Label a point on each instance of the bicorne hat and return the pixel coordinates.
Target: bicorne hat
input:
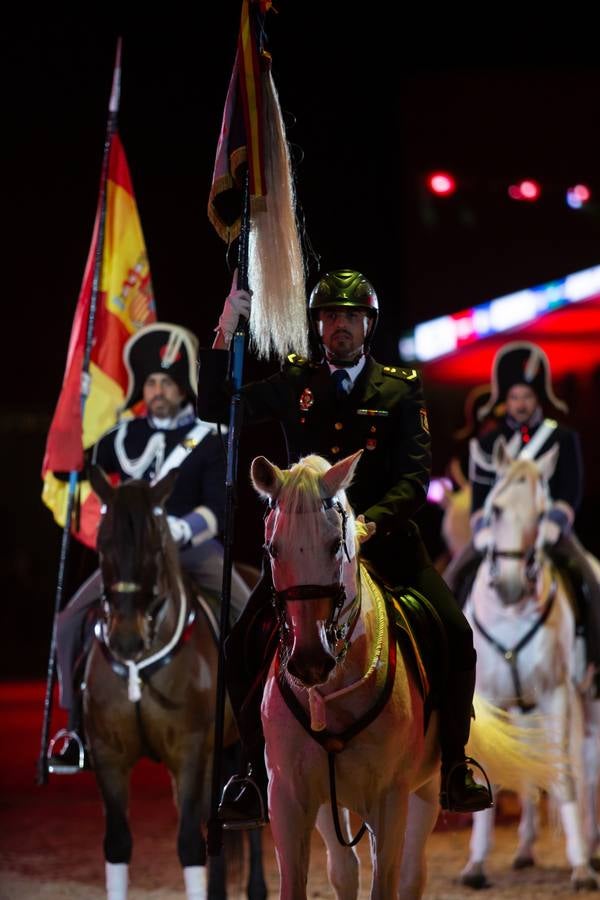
(521, 362)
(160, 347)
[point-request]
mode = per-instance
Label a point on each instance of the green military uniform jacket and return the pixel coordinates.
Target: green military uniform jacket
(384, 415)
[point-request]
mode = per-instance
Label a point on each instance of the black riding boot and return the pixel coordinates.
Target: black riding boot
(570, 558)
(460, 792)
(249, 650)
(244, 799)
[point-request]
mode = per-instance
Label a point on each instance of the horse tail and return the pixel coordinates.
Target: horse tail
(516, 751)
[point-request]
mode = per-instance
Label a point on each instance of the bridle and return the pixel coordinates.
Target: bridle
(131, 669)
(530, 555)
(335, 592)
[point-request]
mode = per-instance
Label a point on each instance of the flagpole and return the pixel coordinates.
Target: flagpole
(111, 126)
(236, 373)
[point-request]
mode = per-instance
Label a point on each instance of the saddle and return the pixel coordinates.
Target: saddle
(421, 636)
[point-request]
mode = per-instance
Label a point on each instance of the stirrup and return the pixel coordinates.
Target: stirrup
(228, 814)
(445, 802)
(61, 768)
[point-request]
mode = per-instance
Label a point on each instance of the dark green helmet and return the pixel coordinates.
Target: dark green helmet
(344, 287)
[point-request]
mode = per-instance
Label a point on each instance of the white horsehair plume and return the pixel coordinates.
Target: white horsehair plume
(276, 273)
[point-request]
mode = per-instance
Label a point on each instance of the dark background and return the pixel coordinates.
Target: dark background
(371, 103)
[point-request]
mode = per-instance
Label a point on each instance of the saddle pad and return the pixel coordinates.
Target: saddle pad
(419, 630)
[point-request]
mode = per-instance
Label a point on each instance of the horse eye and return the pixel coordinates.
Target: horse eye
(335, 546)
(496, 511)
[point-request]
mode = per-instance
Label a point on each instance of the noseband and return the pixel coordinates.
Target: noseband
(529, 555)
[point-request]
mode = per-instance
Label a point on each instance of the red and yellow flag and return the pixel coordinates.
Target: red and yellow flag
(124, 303)
(241, 138)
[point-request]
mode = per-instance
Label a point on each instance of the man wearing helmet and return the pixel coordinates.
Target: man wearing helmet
(521, 379)
(334, 405)
(160, 360)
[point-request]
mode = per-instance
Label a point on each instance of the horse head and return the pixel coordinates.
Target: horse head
(514, 507)
(310, 542)
(137, 556)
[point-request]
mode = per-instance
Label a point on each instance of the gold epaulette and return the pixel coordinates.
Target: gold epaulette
(404, 374)
(293, 359)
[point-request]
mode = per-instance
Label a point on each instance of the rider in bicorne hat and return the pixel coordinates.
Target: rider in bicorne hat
(339, 402)
(522, 381)
(160, 360)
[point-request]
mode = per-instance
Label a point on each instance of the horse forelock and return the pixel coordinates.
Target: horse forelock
(519, 468)
(300, 493)
(129, 543)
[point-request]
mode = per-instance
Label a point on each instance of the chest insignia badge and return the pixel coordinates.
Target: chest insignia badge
(306, 399)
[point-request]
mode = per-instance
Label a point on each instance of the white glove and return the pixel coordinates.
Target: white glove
(364, 529)
(482, 534)
(237, 304)
(180, 530)
(548, 532)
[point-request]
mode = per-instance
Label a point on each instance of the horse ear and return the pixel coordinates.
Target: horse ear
(266, 477)
(501, 458)
(161, 491)
(339, 476)
(101, 484)
(546, 463)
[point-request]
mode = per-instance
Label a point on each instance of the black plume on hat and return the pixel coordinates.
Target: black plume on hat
(160, 347)
(521, 362)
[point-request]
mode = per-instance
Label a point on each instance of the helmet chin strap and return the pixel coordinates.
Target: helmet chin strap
(346, 363)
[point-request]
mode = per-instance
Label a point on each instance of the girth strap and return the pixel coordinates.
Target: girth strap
(511, 654)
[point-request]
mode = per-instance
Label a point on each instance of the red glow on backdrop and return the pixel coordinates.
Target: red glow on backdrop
(570, 336)
(441, 183)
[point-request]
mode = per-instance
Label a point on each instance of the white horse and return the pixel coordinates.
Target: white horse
(343, 713)
(524, 635)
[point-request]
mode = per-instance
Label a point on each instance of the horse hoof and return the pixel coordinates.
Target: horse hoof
(476, 881)
(585, 884)
(523, 862)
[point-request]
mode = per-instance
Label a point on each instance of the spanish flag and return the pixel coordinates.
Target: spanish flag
(124, 303)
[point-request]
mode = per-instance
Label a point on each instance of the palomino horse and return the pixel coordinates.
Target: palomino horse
(343, 711)
(150, 682)
(524, 634)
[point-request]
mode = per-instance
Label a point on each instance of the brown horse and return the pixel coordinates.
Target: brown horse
(150, 682)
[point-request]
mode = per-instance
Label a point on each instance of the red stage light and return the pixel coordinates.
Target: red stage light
(525, 190)
(441, 183)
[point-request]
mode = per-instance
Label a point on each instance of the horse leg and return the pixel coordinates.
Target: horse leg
(482, 834)
(113, 783)
(529, 825)
(342, 862)
(566, 728)
(191, 846)
(423, 808)
(256, 887)
(292, 816)
(591, 779)
(388, 825)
